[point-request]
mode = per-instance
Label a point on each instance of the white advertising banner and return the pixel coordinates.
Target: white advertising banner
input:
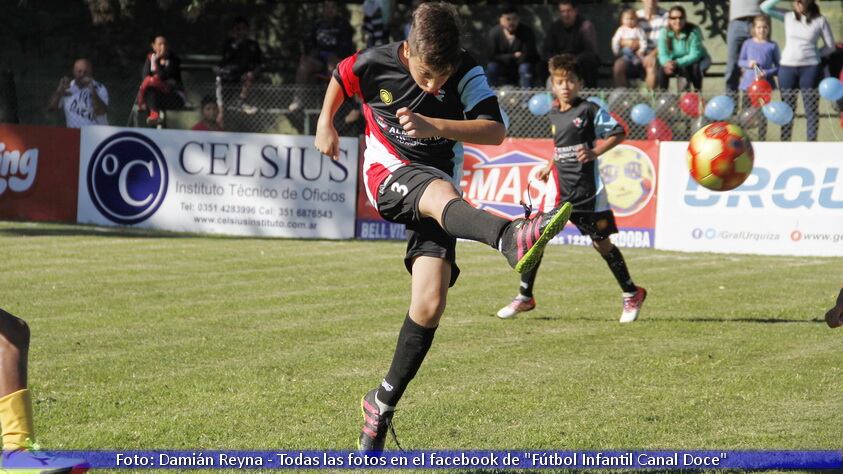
(221, 183)
(792, 204)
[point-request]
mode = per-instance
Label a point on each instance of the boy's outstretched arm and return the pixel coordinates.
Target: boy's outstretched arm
(327, 139)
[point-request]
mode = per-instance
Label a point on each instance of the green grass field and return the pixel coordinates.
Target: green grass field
(145, 341)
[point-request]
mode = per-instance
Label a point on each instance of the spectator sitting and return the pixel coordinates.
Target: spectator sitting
(681, 51)
(329, 41)
(84, 100)
(241, 61)
(801, 66)
(210, 113)
(629, 45)
(652, 19)
(574, 35)
(161, 88)
(759, 59)
(513, 51)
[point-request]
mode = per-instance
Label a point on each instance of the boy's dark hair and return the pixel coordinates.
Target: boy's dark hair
(435, 36)
(564, 64)
(208, 99)
(508, 9)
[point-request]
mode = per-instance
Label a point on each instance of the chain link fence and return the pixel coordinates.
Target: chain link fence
(294, 109)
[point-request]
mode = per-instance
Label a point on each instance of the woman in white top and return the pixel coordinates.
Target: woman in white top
(801, 59)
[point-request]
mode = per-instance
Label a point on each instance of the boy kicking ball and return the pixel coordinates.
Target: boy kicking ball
(575, 126)
(421, 98)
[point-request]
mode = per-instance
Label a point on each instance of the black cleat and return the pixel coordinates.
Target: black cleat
(524, 240)
(375, 425)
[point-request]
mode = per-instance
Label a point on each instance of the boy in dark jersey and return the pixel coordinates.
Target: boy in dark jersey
(834, 316)
(421, 97)
(575, 125)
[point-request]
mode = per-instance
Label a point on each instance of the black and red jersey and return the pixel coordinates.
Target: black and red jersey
(378, 76)
(573, 129)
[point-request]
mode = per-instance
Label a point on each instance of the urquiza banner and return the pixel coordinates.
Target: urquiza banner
(792, 204)
(212, 182)
(39, 168)
(499, 178)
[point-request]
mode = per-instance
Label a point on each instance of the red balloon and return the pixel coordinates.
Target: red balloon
(659, 130)
(620, 121)
(760, 93)
(690, 104)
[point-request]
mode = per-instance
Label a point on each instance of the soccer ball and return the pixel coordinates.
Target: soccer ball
(720, 156)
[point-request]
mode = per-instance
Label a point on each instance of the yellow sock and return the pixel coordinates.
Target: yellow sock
(16, 419)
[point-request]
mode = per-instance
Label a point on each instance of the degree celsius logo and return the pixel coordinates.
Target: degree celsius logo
(127, 178)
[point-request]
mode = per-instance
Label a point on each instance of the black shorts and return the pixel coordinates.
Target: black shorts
(398, 201)
(597, 225)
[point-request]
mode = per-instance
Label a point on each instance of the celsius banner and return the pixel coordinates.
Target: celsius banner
(792, 204)
(224, 183)
(38, 173)
(499, 178)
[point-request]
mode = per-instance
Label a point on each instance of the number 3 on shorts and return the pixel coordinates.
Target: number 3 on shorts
(399, 188)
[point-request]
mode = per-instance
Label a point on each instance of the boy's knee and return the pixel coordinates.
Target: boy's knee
(14, 331)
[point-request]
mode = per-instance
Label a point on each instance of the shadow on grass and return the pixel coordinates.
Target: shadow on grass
(82, 231)
(690, 320)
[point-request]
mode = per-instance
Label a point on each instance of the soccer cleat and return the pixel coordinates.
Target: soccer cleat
(31, 460)
(524, 240)
(375, 425)
(632, 305)
(834, 316)
(518, 305)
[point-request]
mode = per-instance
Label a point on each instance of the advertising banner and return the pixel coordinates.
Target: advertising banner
(792, 204)
(499, 178)
(39, 169)
(210, 182)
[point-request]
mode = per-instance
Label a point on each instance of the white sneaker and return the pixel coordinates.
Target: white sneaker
(518, 305)
(632, 303)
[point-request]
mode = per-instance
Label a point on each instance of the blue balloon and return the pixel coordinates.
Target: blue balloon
(831, 89)
(540, 104)
(778, 112)
(720, 107)
(642, 114)
(598, 101)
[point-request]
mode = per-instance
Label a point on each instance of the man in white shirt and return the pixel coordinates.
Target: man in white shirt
(84, 100)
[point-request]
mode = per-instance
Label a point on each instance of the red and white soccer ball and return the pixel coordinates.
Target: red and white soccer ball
(720, 156)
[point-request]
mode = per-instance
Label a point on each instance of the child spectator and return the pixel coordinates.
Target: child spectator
(759, 58)
(629, 44)
(161, 87)
(210, 113)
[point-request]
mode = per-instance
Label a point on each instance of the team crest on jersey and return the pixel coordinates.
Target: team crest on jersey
(440, 96)
(381, 122)
(386, 96)
(499, 183)
(578, 122)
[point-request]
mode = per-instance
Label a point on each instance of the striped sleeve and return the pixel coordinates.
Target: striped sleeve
(478, 100)
(347, 77)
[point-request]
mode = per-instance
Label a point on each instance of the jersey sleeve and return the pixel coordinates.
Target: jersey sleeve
(478, 100)
(605, 125)
(348, 74)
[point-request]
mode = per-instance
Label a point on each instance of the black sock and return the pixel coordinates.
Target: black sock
(413, 343)
(461, 220)
(618, 266)
(528, 280)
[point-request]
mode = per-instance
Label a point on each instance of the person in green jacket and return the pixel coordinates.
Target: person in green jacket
(681, 51)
